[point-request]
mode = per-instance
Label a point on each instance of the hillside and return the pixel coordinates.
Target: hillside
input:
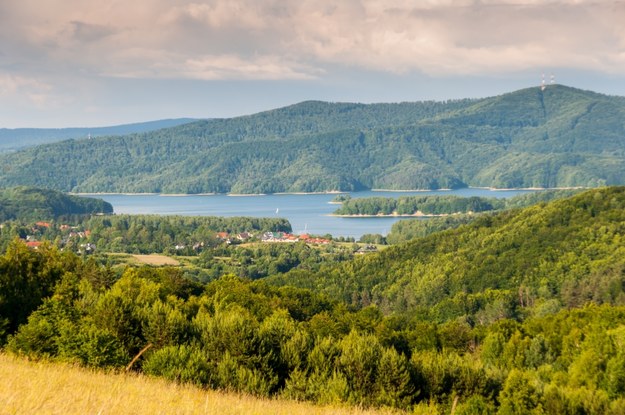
(27, 203)
(560, 254)
(12, 139)
(560, 137)
(518, 312)
(40, 387)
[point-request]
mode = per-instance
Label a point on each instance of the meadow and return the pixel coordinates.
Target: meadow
(40, 387)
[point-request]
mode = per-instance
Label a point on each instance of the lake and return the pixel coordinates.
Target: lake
(308, 213)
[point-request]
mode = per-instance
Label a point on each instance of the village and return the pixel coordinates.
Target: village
(78, 238)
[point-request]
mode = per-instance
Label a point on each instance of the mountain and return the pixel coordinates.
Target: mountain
(550, 256)
(26, 203)
(19, 138)
(559, 137)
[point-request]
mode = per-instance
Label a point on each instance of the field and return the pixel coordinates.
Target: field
(155, 259)
(50, 388)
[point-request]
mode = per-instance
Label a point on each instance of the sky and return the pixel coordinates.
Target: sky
(83, 63)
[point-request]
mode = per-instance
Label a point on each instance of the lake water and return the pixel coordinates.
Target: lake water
(308, 213)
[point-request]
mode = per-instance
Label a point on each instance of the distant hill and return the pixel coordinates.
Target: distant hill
(559, 137)
(26, 203)
(19, 138)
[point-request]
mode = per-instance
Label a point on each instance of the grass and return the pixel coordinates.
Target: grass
(30, 387)
(156, 259)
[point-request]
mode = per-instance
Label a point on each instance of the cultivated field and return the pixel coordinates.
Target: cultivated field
(48, 388)
(155, 259)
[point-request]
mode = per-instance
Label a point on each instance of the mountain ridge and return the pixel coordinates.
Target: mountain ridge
(12, 139)
(559, 137)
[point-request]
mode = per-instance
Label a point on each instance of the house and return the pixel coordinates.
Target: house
(367, 249)
(244, 236)
(33, 244)
(88, 248)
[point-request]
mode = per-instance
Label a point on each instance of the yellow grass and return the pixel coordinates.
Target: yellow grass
(50, 388)
(155, 259)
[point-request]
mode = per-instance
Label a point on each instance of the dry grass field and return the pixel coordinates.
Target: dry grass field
(29, 387)
(155, 259)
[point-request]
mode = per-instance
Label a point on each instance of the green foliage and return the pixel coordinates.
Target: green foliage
(456, 210)
(412, 205)
(141, 234)
(358, 362)
(498, 266)
(518, 312)
(405, 230)
(27, 277)
(90, 345)
(519, 395)
(182, 363)
(152, 233)
(560, 137)
(394, 380)
(32, 204)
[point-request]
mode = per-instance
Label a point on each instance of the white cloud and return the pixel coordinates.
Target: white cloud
(20, 89)
(277, 39)
(214, 67)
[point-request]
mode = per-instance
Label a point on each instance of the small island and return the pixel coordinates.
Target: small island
(340, 199)
(433, 206)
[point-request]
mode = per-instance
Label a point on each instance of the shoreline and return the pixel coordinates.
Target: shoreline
(329, 192)
(417, 214)
(417, 190)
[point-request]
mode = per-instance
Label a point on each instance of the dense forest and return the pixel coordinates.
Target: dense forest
(444, 205)
(521, 311)
(559, 137)
(560, 254)
(32, 204)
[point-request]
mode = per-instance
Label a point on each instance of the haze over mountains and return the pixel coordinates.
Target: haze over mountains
(559, 137)
(12, 139)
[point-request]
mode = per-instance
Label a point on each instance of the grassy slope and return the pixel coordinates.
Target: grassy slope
(46, 388)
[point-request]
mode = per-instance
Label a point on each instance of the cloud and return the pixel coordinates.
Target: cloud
(300, 39)
(20, 89)
(86, 32)
(216, 67)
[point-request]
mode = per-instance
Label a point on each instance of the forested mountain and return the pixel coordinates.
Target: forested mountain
(12, 139)
(548, 256)
(27, 203)
(559, 137)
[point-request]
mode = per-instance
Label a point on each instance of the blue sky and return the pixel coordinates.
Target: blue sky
(94, 63)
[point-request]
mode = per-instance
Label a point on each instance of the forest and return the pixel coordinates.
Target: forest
(519, 311)
(559, 137)
(443, 205)
(34, 204)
